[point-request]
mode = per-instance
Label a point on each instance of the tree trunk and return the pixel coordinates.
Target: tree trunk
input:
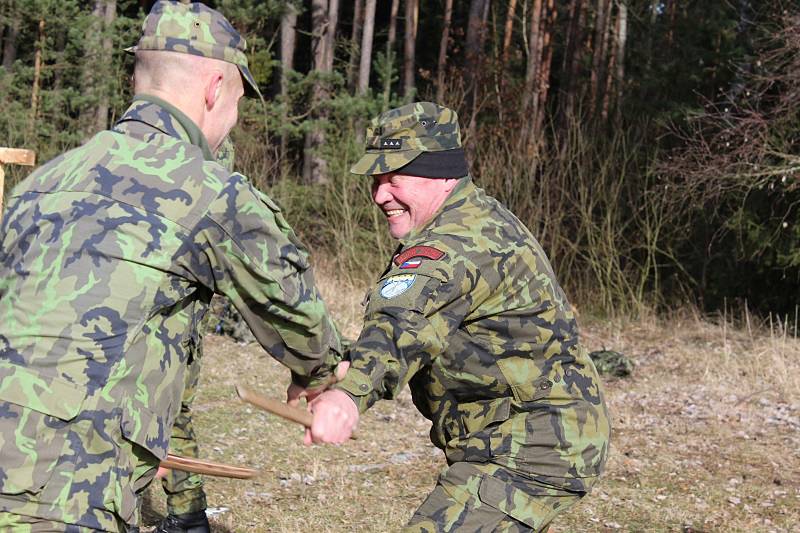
(549, 25)
(288, 39)
(330, 34)
(353, 62)
(611, 71)
(366, 47)
(570, 68)
(442, 63)
(508, 30)
(37, 76)
(390, 53)
(10, 45)
(473, 48)
(324, 17)
(409, 59)
(530, 94)
(109, 15)
(622, 37)
(599, 52)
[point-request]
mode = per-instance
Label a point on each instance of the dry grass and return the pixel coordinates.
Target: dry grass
(706, 434)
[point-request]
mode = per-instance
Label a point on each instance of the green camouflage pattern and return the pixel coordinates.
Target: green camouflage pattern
(486, 497)
(110, 255)
(489, 345)
(398, 136)
(194, 28)
(184, 490)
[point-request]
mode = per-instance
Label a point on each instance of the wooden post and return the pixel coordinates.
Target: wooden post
(13, 156)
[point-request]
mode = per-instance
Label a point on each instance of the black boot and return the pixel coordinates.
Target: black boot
(196, 522)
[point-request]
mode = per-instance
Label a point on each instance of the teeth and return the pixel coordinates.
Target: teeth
(394, 212)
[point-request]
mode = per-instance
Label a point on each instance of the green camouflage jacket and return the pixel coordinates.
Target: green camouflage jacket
(110, 255)
(469, 313)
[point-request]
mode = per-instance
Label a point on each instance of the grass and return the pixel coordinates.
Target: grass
(706, 433)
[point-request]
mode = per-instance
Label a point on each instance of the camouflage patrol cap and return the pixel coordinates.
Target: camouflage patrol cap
(194, 28)
(399, 136)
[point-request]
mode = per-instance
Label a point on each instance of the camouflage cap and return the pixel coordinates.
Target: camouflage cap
(194, 28)
(398, 136)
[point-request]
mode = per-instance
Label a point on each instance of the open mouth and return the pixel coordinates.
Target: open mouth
(394, 212)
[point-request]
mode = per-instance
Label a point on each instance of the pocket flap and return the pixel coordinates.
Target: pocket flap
(145, 428)
(526, 380)
(514, 502)
(52, 396)
(479, 415)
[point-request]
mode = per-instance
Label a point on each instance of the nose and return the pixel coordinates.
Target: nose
(380, 191)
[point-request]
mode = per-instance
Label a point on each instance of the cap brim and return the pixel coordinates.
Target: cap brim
(250, 86)
(382, 162)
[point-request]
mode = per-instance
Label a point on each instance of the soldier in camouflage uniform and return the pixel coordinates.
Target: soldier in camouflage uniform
(468, 312)
(109, 256)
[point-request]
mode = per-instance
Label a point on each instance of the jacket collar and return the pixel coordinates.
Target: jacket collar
(166, 118)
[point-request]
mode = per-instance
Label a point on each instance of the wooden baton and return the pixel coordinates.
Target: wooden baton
(209, 468)
(279, 408)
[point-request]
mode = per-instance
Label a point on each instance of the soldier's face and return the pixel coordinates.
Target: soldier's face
(409, 202)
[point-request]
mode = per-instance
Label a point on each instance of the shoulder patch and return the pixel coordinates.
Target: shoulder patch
(404, 260)
(397, 285)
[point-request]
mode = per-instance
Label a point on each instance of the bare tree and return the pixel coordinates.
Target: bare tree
(37, 73)
(600, 51)
(10, 42)
(621, 37)
(549, 24)
(476, 34)
(442, 63)
(570, 66)
(409, 59)
(288, 40)
(530, 94)
(387, 82)
(355, 37)
(109, 11)
(324, 16)
(508, 30)
(366, 47)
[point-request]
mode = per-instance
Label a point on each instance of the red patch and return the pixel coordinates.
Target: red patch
(428, 252)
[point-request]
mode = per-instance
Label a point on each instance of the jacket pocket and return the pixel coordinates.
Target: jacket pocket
(526, 381)
(145, 442)
(35, 411)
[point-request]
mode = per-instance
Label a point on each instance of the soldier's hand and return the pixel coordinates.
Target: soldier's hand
(335, 418)
(295, 392)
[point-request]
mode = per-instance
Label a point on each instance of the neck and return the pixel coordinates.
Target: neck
(190, 104)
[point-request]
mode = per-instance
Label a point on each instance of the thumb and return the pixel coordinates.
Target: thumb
(341, 370)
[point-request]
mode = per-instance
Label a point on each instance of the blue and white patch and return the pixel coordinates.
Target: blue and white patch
(397, 285)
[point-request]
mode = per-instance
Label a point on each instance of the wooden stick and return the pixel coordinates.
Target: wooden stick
(279, 408)
(14, 156)
(209, 468)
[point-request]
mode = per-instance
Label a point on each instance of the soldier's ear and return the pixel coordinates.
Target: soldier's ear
(450, 184)
(213, 88)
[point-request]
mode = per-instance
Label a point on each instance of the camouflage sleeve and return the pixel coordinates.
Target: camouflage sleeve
(256, 260)
(407, 324)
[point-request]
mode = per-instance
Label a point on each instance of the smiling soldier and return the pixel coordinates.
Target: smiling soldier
(469, 313)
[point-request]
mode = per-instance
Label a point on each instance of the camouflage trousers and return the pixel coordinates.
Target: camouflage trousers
(184, 490)
(487, 497)
(28, 524)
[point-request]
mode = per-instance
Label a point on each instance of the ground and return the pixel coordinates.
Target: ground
(706, 434)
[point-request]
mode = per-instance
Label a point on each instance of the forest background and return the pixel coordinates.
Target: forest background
(651, 146)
